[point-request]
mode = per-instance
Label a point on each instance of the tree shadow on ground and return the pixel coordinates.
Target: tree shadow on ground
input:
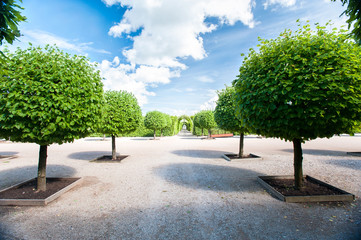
(202, 219)
(16, 175)
(346, 163)
(89, 155)
(210, 177)
(142, 139)
(8, 153)
(200, 153)
(98, 139)
(320, 152)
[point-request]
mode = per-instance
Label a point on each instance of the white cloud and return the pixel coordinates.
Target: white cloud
(211, 103)
(37, 37)
(205, 79)
(283, 3)
(127, 77)
(171, 30)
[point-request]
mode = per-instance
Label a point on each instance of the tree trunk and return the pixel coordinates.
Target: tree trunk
(209, 133)
(241, 140)
(114, 151)
(297, 163)
(154, 134)
(161, 133)
(41, 180)
(202, 132)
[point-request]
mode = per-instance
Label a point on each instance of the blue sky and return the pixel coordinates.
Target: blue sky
(172, 54)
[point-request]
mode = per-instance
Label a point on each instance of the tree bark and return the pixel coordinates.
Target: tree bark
(161, 133)
(41, 180)
(202, 132)
(241, 143)
(114, 150)
(297, 163)
(209, 133)
(154, 134)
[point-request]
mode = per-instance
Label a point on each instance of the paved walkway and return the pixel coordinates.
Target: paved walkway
(180, 188)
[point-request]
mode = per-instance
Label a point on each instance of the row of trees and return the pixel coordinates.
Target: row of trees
(48, 96)
(303, 85)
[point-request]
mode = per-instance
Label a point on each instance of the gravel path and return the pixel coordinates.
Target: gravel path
(180, 188)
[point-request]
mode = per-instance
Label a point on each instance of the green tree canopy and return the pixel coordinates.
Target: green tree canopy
(206, 120)
(300, 86)
(48, 96)
(9, 19)
(226, 117)
(121, 115)
(154, 120)
(167, 123)
(353, 11)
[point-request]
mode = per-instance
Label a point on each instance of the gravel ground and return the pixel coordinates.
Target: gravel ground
(181, 188)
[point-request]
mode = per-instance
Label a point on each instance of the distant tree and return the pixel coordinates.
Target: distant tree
(225, 115)
(166, 124)
(196, 123)
(353, 11)
(154, 120)
(206, 120)
(300, 86)
(121, 115)
(9, 20)
(46, 97)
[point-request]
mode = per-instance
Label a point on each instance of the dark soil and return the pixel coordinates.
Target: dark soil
(354, 154)
(108, 158)
(286, 187)
(28, 189)
(236, 156)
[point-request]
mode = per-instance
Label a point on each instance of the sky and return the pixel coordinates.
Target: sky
(173, 55)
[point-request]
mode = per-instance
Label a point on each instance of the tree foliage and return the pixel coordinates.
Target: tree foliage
(48, 96)
(353, 11)
(206, 120)
(225, 111)
(301, 86)
(9, 19)
(154, 120)
(226, 117)
(121, 113)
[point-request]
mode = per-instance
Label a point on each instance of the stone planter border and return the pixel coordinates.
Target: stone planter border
(253, 157)
(345, 196)
(37, 202)
(97, 160)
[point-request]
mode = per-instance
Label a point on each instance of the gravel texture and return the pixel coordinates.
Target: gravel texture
(181, 188)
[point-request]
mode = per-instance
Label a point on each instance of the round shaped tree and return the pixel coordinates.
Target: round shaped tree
(154, 120)
(206, 120)
(301, 86)
(121, 115)
(46, 97)
(225, 115)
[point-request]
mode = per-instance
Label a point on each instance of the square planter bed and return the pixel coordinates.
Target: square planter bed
(108, 159)
(234, 157)
(357, 154)
(315, 190)
(23, 194)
